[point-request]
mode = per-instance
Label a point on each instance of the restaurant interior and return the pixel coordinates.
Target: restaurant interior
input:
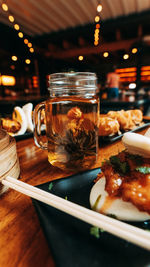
(40, 38)
(46, 215)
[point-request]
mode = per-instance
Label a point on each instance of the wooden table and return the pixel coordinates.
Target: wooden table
(22, 242)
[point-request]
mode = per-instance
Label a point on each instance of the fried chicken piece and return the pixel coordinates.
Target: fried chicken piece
(127, 119)
(137, 192)
(10, 126)
(136, 115)
(108, 126)
(124, 118)
(113, 180)
(128, 176)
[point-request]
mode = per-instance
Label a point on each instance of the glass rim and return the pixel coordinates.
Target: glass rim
(76, 80)
(72, 74)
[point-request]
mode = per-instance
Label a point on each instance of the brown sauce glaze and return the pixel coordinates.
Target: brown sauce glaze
(128, 176)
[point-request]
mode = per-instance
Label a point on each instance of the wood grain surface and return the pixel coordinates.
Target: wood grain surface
(22, 242)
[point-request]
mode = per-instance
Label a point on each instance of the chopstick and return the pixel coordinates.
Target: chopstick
(118, 228)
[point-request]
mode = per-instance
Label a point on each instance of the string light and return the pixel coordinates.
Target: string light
(11, 18)
(134, 50)
(16, 27)
(20, 34)
(95, 43)
(31, 50)
(99, 8)
(80, 58)
(14, 58)
(125, 56)
(97, 19)
(27, 61)
(105, 54)
(97, 26)
(26, 41)
(29, 45)
(4, 7)
(12, 67)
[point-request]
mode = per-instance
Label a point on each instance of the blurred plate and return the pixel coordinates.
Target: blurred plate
(27, 135)
(111, 139)
(23, 136)
(70, 240)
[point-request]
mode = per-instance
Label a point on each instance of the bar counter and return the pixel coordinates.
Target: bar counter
(22, 242)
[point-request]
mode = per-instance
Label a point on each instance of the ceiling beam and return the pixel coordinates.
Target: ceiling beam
(118, 35)
(125, 7)
(83, 6)
(113, 46)
(30, 15)
(67, 45)
(74, 11)
(57, 12)
(94, 58)
(140, 31)
(82, 42)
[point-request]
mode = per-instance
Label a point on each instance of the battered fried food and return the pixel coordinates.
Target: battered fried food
(128, 177)
(124, 119)
(10, 125)
(136, 115)
(127, 119)
(108, 126)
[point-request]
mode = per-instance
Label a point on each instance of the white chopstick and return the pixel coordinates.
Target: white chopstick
(123, 230)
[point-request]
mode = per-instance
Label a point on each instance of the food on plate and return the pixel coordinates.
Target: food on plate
(115, 207)
(10, 125)
(116, 122)
(123, 187)
(20, 122)
(108, 126)
(136, 145)
(136, 115)
(19, 116)
(128, 120)
(27, 108)
(123, 118)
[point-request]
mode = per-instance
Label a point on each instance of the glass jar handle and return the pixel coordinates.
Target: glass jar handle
(37, 125)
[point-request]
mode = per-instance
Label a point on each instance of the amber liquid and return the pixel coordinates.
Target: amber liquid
(72, 143)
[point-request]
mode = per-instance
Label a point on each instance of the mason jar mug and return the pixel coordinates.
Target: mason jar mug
(72, 121)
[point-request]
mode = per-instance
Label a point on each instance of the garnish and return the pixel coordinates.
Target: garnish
(138, 159)
(66, 197)
(106, 161)
(122, 167)
(144, 170)
(96, 203)
(50, 186)
(95, 231)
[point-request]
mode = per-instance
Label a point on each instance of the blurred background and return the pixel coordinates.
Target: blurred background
(43, 37)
